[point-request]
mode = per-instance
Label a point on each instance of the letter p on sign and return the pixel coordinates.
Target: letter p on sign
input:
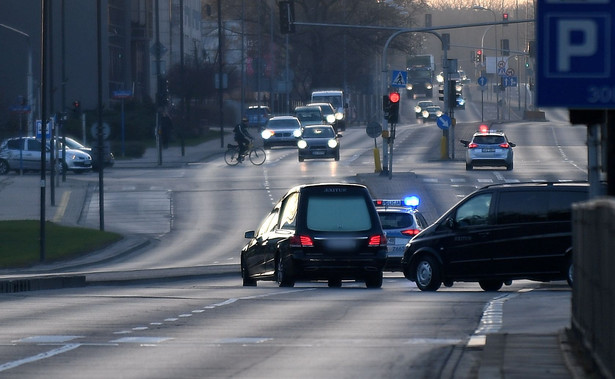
(576, 38)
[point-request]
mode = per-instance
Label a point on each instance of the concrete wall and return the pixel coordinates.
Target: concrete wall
(593, 295)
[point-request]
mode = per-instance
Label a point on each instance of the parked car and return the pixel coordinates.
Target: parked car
(281, 131)
(489, 148)
(498, 234)
(25, 153)
(317, 232)
(401, 220)
(317, 142)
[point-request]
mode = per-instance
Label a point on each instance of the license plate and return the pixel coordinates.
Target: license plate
(341, 244)
(318, 152)
(488, 150)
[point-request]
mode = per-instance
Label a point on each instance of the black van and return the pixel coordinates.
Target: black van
(497, 234)
(318, 232)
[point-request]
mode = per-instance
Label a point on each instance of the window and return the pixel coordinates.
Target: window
(560, 204)
(269, 223)
(396, 220)
(522, 206)
(489, 140)
(34, 145)
(338, 214)
(289, 212)
(475, 211)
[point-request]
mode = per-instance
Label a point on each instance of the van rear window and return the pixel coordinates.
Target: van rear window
(338, 214)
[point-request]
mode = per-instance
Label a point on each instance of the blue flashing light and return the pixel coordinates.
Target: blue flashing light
(412, 201)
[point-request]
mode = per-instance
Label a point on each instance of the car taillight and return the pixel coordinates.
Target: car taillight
(410, 232)
(377, 240)
(505, 145)
(301, 241)
(472, 145)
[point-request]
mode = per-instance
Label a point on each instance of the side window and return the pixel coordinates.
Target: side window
(421, 220)
(288, 219)
(560, 204)
(474, 211)
(34, 145)
(268, 223)
(522, 206)
(15, 144)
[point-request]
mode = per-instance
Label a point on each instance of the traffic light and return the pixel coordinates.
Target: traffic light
(76, 108)
(287, 16)
(386, 106)
(479, 55)
(454, 89)
(504, 18)
(394, 98)
(163, 91)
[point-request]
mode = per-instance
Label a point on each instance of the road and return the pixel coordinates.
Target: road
(213, 327)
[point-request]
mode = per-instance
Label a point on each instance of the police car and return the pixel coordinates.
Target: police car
(401, 221)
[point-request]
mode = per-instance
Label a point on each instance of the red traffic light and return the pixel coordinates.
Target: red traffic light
(505, 17)
(394, 97)
(479, 52)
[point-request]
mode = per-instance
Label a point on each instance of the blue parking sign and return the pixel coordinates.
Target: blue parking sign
(574, 57)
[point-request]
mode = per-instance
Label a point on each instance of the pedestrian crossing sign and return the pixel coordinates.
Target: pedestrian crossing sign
(399, 79)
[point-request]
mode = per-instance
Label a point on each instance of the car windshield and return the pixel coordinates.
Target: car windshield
(318, 133)
(489, 140)
(309, 115)
(337, 214)
(335, 101)
(282, 124)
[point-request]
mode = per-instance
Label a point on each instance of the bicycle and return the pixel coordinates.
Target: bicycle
(256, 155)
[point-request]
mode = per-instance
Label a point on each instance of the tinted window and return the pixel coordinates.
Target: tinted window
(338, 214)
(268, 224)
(475, 211)
(15, 144)
(560, 204)
(522, 206)
(489, 139)
(34, 145)
(395, 220)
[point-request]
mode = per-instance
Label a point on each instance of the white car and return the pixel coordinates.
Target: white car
(25, 153)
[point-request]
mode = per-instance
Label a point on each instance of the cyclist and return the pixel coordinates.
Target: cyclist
(242, 137)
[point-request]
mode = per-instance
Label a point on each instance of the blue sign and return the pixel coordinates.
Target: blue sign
(509, 81)
(575, 44)
(482, 81)
(122, 94)
(39, 129)
(399, 79)
(444, 122)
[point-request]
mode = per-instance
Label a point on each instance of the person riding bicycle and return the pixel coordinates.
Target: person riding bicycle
(242, 136)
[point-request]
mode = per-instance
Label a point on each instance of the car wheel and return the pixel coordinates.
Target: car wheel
(334, 282)
(569, 272)
(337, 155)
(374, 280)
(468, 166)
(301, 159)
(490, 285)
(245, 276)
(283, 275)
(428, 274)
(509, 167)
(4, 167)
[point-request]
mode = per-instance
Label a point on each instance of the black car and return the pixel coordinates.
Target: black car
(498, 234)
(326, 232)
(318, 141)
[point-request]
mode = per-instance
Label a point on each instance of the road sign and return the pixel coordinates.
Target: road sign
(510, 72)
(482, 81)
(444, 122)
(575, 47)
(509, 81)
(39, 129)
(399, 79)
(122, 94)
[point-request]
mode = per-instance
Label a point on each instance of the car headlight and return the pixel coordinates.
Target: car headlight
(417, 109)
(297, 133)
(302, 144)
(439, 113)
(330, 118)
(339, 116)
(266, 134)
(409, 86)
(425, 114)
(440, 78)
(428, 86)
(332, 143)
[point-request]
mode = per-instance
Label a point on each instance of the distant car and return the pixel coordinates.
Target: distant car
(108, 157)
(310, 115)
(325, 231)
(25, 153)
(281, 131)
(401, 220)
(489, 148)
(257, 116)
(461, 102)
(431, 113)
(331, 116)
(318, 141)
(421, 106)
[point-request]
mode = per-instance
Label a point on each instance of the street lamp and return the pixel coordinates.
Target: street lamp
(481, 8)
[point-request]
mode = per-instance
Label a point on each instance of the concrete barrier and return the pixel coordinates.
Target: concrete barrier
(41, 283)
(593, 294)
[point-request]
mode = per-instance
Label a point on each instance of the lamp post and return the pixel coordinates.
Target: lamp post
(497, 93)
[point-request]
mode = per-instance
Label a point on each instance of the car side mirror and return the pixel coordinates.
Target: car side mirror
(512, 144)
(464, 142)
(249, 234)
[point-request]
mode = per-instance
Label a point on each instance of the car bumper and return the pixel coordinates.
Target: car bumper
(321, 267)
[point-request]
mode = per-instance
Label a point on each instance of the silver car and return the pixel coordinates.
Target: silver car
(25, 153)
(281, 131)
(489, 148)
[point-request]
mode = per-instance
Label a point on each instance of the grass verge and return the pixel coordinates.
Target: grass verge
(20, 242)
